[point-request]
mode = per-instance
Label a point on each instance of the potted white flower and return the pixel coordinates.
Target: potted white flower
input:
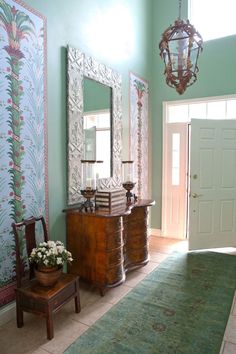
(48, 259)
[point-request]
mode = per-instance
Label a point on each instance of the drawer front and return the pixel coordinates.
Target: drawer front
(136, 256)
(32, 304)
(64, 295)
(114, 257)
(114, 238)
(136, 240)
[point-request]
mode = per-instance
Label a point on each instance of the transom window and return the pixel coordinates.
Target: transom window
(213, 18)
(209, 108)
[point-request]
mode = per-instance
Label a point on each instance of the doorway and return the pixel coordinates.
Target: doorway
(176, 194)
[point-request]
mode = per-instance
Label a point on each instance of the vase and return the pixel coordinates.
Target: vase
(47, 276)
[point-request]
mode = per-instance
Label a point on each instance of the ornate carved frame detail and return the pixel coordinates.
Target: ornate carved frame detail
(79, 66)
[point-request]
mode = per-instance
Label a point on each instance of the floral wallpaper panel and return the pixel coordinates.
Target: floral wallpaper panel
(23, 129)
(139, 133)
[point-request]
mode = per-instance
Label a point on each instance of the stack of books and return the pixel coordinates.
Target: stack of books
(110, 199)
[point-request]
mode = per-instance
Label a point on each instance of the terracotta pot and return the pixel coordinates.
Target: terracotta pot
(47, 276)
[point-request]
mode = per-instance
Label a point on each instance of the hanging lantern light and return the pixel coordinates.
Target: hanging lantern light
(179, 48)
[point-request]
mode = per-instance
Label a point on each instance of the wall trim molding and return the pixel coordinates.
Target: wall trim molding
(159, 233)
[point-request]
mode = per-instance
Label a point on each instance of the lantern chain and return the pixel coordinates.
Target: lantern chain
(180, 3)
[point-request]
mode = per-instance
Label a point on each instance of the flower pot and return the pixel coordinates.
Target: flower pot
(47, 276)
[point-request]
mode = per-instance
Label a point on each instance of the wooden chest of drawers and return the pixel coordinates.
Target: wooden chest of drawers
(106, 245)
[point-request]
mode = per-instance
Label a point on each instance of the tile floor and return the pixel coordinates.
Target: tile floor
(31, 339)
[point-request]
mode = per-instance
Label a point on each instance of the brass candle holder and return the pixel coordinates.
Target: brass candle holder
(88, 194)
(128, 184)
(88, 187)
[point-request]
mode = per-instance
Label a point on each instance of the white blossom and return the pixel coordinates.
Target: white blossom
(50, 253)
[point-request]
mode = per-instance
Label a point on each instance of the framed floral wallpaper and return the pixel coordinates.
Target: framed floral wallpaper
(139, 133)
(23, 128)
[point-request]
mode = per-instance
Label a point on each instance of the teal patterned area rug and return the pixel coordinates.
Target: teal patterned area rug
(181, 307)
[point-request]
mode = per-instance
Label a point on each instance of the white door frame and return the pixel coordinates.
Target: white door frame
(174, 193)
(205, 100)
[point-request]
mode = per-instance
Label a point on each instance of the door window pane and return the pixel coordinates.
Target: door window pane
(175, 158)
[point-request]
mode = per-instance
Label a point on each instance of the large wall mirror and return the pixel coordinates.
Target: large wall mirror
(94, 121)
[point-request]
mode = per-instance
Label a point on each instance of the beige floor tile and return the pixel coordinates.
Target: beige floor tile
(148, 268)
(66, 333)
(222, 347)
(114, 295)
(33, 336)
(133, 278)
(157, 257)
(88, 295)
(93, 312)
(38, 351)
(229, 348)
(23, 340)
(231, 330)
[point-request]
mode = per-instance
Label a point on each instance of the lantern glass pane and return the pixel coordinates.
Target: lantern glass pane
(180, 53)
(166, 58)
(193, 58)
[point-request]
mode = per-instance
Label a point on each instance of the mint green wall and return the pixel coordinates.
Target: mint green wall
(96, 96)
(133, 46)
(217, 76)
(122, 45)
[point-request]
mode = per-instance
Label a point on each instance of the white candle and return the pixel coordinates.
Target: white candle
(89, 183)
(129, 178)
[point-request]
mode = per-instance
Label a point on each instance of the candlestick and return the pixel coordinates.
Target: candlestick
(128, 179)
(88, 185)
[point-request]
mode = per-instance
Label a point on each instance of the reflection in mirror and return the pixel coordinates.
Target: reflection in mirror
(81, 66)
(97, 125)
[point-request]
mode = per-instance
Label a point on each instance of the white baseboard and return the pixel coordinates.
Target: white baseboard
(159, 233)
(155, 232)
(7, 313)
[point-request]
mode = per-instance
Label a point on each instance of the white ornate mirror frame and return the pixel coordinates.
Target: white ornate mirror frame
(79, 66)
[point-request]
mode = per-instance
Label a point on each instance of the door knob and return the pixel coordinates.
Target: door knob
(195, 195)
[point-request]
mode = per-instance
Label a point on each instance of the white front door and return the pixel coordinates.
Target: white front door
(212, 200)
